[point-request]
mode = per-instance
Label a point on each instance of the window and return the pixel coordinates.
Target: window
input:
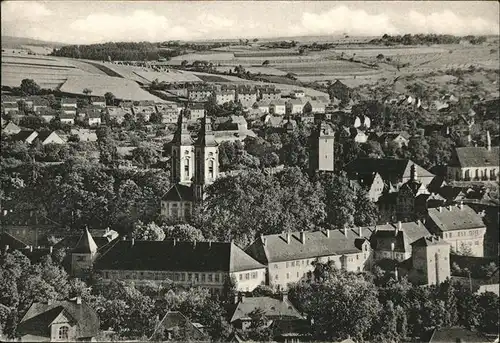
(186, 168)
(196, 277)
(287, 264)
(241, 277)
(276, 266)
(80, 258)
(183, 277)
(247, 276)
(298, 274)
(190, 276)
(210, 278)
(293, 263)
(203, 277)
(287, 275)
(63, 332)
(276, 277)
(217, 278)
(211, 169)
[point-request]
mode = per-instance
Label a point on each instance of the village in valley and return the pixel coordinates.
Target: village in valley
(333, 188)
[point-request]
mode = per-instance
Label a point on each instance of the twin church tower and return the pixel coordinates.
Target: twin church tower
(195, 164)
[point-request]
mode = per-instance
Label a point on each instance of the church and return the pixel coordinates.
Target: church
(194, 165)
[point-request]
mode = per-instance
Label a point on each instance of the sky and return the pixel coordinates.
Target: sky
(85, 22)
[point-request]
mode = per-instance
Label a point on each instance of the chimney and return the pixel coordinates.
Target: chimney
(284, 296)
(124, 238)
(327, 233)
(194, 243)
(413, 172)
(133, 242)
(449, 207)
(461, 205)
(360, 231)
(51, 249)
(31, 248)
(399, 227)
(345, 231)
(263, 239)
(488, 140)
(209, 244)
(392, 246)
(175, 241)
(49, 302)
(5, 212)
(469, 138)
(6, 247)
(302, 237)
(78, 300)
(287, 237)
(440, 209)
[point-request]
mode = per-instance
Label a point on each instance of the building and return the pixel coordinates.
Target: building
(400, 139)
(393, 241)
(10, 108)
(169, 113)
(118, 113)
(314, 106)
(411, 199)
(269, 93)
(84, 135)
(93, 118)
(172, 324)
(26, 136)
(83, 255)
(373, 184)
(322, 157)
(69, 106)
(290, 256)
(195, 111)
(297, 93)
(454, 334)
(223, 96)
(47, 114)
(200, 94)
(49, 137)
(98, 101)
(57, 321)
(295, 106)
(246, 96)
(460, 226)
(355, 134)
(262, 105)
(11, 129)
(178, 202)
(340, 91)
(144, 108)
(429, 263)
(204, 264)
(67, 118)
(475, 163)
(10, 99)
(277, 107)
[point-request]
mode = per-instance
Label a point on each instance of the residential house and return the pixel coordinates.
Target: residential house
(69, 106)
(49, 137)
(204, 264)
(67, 118)
(269, 94)
(454, 334)
(118, 113)
(246, 96)
(314, 106)
(11, 129)
(83, 255)
(398, 138)
(144, 108)
(373, 184)
(475, 163)
(224, 96)
(295, 106)
(475, 272)
(10, 108)
(169, 112)
(174, 323)
(429, 263)
(177, 202)
(277, 107)
(93, 118)
(232, 135)
(26, 136)
(297, 93)
(98, 101)
(411, 199)
(39, 103)
(84, 135)
(262, 105)
(10, 99)
(355, 134)
(47, 114)
(57, 321)
(393, 241)
(290, 256)
(199, 94)
(339, 91)
(195, 111)
(460, 226)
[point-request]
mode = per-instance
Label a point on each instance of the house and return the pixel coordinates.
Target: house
(118, 113)
(339, 91)
(454, 334)
(356, 134)
(47, 114)
(460, 226)
(69, 105)
(393, 241)
(277, 107)
(233, 135)
(169, 112)
(175, 323)
(399, 138)
(204, 264)
(144, 108)
(393, 171)
(246, 96)
(295, 106)
(67, 118)
(373, 184)
(471, 273)
(297, 93)
(224, 96)
(27, 136)
(290, 256)
(83, 255)
(84, 135)
(195, 111)
(411, 199)
(474, 163)
(269, 94)
(11, 129)
(49, 137)
(70, 320)
(314, 106)
(275, 310)
(10, 99)
(98, 101)
(93, 118)
(177, 202)
(262, 105)
(200, 94)
(10, 108)
(38, 104)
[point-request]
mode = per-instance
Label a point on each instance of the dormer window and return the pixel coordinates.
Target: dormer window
(63, 333)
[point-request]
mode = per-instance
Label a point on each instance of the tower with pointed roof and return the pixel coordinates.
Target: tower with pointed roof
(321, 157)
(83, 255)
(206, 158)
(430, 261)
(182, 152)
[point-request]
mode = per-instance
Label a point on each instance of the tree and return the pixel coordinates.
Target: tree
(439, 150)
(366, 211)
(339, 198)
(107, 147)
(488, 312)
(110, 98)
(29, 87)
(87, 91)
(145, 155)
(149, 232)
(183, 232)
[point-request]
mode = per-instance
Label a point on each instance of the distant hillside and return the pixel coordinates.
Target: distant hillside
(18, 42)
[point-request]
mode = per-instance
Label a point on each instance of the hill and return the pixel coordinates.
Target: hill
(18, 42)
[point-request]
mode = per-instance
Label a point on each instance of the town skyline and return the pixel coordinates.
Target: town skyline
(97, 22)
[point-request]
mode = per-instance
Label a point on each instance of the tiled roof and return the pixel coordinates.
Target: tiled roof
(276, 248)
(175, 320)
(43, 135)
(475, 157)
(40, 315)
(406, 235)
(273, 308)
(459, 217)
(277, 103)
(428, 241)
(23, 135)
(386, 167)
(86, 243)
(66, 116)
(179, 192)
(11, 127)
(177, 256)
(453, 334)
(68, 101)
(299, 101)
(12, 242)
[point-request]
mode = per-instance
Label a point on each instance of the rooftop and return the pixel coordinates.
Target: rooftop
(273, 308)
(475, 157)
(454, 217)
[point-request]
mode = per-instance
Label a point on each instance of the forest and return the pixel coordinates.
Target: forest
(426, 39)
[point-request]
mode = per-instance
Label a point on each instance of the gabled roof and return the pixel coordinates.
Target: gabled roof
(386, 167)
(298, 101)
(277, 103)
(43, 135)
(11, 127)
(273, 308)
(68, 101)
(23, 135)
(428, 241)
(475, 157)
(175, 320)
(401, 237)
(6, 239)
(179, 192)
(171, 255)
(86, 244)
(454, 334)
(40, 315)
(64, 115)
(277, 249)
(460, 217)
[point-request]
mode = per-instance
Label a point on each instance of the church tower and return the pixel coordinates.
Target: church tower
(321, 157)
(206, 157)
(83, 255)
(183, 161)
